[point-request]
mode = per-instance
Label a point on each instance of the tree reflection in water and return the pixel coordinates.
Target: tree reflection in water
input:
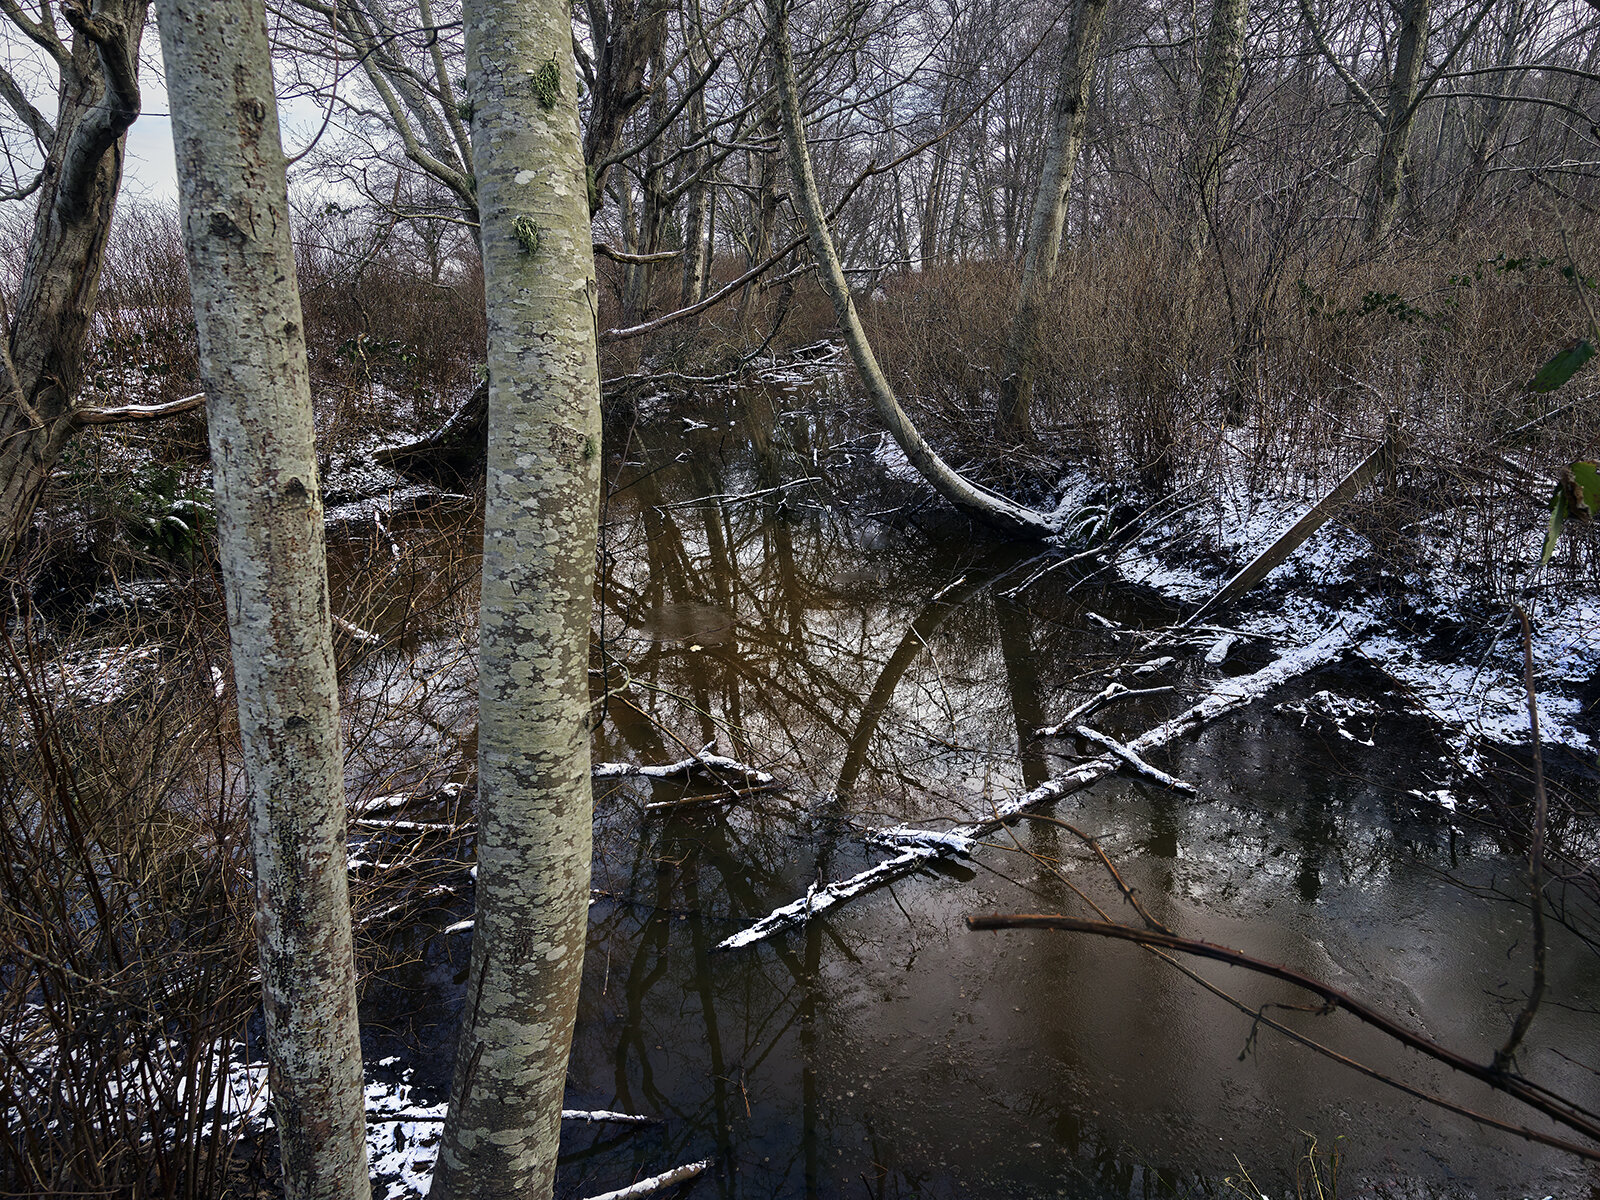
(878, 663)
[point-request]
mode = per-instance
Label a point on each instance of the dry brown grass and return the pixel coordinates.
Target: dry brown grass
(1288, 371)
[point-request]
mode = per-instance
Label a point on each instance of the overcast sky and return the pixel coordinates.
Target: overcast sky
(151, 174)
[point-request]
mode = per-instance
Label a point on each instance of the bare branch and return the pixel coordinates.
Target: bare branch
(37, 32)
(1541, 1100)
(122, 414)
(622, 256)
(1362, 96)
(38, 124)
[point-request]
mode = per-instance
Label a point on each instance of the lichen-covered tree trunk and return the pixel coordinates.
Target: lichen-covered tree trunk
(1400, 109)
(995, 511)
(542, 509)
(1068, 113)
(269, 516)
(41, 359)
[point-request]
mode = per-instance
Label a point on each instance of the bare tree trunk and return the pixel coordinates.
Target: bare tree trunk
(995, 511)
(41, 360)
(697, 218)
(1213, 117)
(656, 209)
(1067, 116)
(928, 216)
(269, 519)
(542, 508)
(625, 41)
(1383, 189)
(708, 247)
(1210, 130)
(764, 202)
(1517, 27)
(902, 236)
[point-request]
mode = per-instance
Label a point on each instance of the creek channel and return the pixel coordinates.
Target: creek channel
(764, 596)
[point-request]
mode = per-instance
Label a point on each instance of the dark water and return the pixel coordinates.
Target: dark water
(886, 671)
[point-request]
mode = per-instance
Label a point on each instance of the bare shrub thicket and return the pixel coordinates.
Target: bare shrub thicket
(394, 322)
(1289, 372)
(127, 956)
(124, 911)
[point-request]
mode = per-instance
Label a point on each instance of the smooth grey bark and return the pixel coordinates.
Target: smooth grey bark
(1383, 196)
(1212, 125)
(235, 215)
(1068, 114)
(995, 511)
(541, 514)
(42, 355)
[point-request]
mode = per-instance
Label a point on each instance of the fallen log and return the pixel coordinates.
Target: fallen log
(729, 774)
(1132, 760)
(601, 1116)
(656, 1183)
(1380, 460)
(1228, 695)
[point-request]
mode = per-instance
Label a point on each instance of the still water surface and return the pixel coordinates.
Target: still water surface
(887, 671)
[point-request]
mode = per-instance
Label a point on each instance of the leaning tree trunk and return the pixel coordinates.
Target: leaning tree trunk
(1067, 117)
(41, 366)
(1400, 109)
(994, 511)
(269, 517)
(541, 515)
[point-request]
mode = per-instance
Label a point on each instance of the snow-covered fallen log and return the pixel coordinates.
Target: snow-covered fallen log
(1225, 697)
(1132, 760)
(713, 764)
(601, 1116)
(1112, 691)
(904, 837)
(1220, 649)
(656, 1183)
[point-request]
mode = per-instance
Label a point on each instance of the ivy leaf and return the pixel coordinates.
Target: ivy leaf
(1562, 367)
(1577, 495)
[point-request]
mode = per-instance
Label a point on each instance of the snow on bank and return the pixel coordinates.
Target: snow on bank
(1474, 689)
(402, 1135)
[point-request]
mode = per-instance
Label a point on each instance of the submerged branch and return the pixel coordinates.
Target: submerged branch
(1558, 1109)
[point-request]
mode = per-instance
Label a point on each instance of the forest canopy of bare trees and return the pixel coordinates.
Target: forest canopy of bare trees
(552, 500)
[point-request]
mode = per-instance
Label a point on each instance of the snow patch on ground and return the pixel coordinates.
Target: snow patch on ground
(105, 676)
(402, 1135)
(1475, 694)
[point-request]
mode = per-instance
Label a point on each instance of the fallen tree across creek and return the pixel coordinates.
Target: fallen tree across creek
(922, 846)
